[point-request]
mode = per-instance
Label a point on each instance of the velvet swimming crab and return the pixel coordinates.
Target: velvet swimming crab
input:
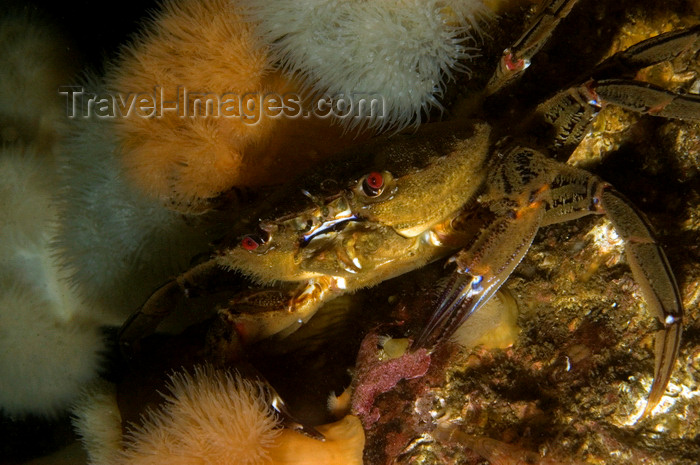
(466, 190)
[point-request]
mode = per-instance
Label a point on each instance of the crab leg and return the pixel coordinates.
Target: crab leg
(578, 194)
(565, 118)
(516, 58)
(146, 319)
(482, 269)
(516, 196)
(645, 98)
(528, 191)
(652, 271)
(657, 49)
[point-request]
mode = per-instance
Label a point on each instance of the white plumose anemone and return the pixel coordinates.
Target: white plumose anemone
(400, 51)
(49, 346)
(117, 244)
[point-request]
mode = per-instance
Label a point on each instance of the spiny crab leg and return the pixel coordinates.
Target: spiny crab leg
(517, 57)
(653, 273)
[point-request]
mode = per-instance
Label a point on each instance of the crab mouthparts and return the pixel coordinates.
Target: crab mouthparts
(336, 224)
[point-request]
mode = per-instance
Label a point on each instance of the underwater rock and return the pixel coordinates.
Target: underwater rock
(572, 387)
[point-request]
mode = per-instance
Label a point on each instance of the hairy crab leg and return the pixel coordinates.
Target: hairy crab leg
(565, 117)
(578, 193)
(652, 271)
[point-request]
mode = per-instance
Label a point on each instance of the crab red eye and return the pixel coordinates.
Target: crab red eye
(249, 243)
(254, 241)
(373, 184)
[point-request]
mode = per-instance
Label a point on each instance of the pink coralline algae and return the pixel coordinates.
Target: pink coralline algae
(375, 376)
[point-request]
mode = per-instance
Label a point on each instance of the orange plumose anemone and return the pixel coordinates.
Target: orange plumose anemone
(198, 107)
(215, 417)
